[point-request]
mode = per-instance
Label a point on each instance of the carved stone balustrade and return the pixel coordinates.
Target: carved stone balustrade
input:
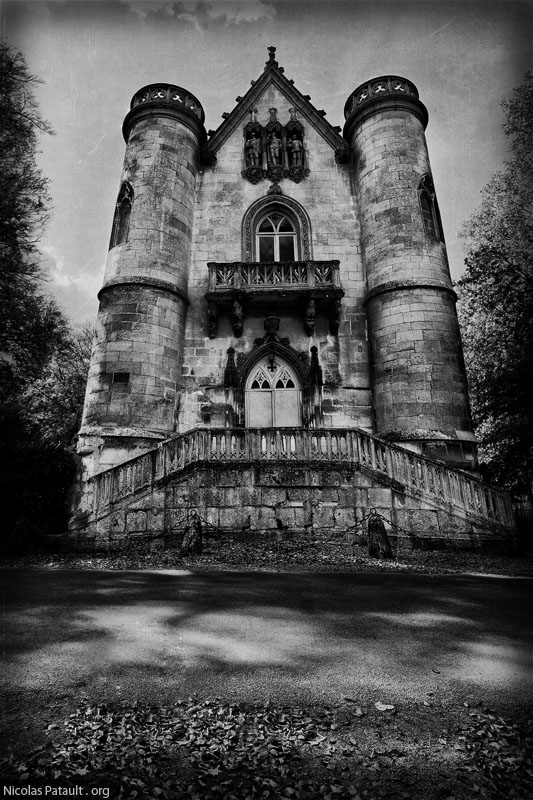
(236, 287)
(347, 447)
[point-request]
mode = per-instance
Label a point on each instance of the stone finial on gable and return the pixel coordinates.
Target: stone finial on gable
(271, 57)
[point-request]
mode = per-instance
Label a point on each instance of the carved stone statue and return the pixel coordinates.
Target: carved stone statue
(296, 148)
(274, 149)
(252, 150)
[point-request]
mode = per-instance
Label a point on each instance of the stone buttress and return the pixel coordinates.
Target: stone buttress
(133, 386)
(420, 394)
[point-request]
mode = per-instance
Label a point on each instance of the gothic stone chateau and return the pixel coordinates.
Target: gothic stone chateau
(277, 344)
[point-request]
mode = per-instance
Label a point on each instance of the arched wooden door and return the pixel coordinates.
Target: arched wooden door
(273, 397)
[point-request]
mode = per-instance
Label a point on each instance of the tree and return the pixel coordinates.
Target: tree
(496, 306)
(54, 401)
(30, 324)
(41, 363)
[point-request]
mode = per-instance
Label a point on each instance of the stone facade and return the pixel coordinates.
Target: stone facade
(274, 246)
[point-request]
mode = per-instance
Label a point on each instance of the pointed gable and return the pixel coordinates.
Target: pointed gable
(273, 77)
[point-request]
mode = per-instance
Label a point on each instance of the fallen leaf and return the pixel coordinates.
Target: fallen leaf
(383, 706)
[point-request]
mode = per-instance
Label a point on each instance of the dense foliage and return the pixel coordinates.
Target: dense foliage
(496, 306)
(41, 368)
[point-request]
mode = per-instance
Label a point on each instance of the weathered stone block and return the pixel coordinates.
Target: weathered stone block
(136, 521)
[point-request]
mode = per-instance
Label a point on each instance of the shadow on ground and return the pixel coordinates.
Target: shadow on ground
(262, 635)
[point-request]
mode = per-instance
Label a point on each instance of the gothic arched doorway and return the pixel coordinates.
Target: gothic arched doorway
(273, 396)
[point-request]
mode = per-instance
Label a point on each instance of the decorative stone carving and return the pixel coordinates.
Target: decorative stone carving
(207, 156)
(271, 323)
(343, 155)
(237, 316)
(253, 150)
(314, 389)
(231, 373)
(335, 317)
(296, 155)
(271, 57)
(315, 370)
(310, 317)
(254, 174)
(274, 149)
(274, 189)
(389, 86)
(212, 319)
(295, 148)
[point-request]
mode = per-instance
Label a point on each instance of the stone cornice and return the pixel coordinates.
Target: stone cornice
(394, 286)
(166, 100)
(139, 280)
(382, 94)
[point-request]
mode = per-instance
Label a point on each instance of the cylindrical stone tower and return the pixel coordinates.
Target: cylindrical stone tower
(137, 355)
(419, 381)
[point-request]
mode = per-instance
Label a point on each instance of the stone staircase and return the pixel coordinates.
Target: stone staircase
(289, 480)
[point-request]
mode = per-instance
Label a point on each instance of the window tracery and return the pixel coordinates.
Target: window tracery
(121, 220)
(429, 209)
(296, 217)
(276, 238)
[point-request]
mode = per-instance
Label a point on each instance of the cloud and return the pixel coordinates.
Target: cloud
(241, 10)
(54, 265)
(199, 13)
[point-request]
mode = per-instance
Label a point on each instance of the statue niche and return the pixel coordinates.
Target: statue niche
(275, 147)
(294, 136)
(253, 149)
(274, 151)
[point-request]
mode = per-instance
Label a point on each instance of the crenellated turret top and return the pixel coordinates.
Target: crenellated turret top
(380, 93)
(164, 97)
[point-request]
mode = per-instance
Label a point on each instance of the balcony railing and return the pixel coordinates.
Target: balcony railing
(336, 446)
(235, 286)
(261, 275)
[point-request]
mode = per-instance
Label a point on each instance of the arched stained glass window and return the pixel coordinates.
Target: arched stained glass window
(276, 238)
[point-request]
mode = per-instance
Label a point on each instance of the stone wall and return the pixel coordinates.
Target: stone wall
(293, 500)
(137, 356)
(327, 195)
(420, 392)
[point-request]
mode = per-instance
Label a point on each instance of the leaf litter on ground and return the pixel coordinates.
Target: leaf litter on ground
(205, 749)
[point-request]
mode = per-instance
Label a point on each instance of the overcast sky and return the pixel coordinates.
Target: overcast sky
(463, 56)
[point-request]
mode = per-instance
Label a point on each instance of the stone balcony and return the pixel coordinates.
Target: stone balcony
(238, 288)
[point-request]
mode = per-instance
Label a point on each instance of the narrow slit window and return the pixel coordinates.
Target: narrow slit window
(429, 209)
(121, 220)
(427, 215)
